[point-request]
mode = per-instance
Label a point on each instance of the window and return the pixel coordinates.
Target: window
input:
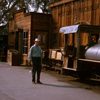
(39, 37)
(25, 42)
(43, 39)
(55, 39)
(93, 38)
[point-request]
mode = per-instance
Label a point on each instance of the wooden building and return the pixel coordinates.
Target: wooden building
(3, 42)
(25, 27)
(70, 13)
(73, 12)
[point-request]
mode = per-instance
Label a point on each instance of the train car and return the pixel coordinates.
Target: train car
(85, 60)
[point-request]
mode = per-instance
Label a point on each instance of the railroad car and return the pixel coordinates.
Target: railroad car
(85, 60)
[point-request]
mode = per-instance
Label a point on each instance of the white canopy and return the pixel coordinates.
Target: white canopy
(69, 29)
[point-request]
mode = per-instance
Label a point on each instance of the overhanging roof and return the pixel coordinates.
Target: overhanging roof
(82, 27)
(69, 29)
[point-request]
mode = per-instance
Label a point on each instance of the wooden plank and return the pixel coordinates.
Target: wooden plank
(69, 15)
(75, 40)
(75, 12)
(97, 13)
(82, 12)
(87, 60)
(65, 9)
(66, 14)
(89, 11)
(59, 56)
(63, 16)
(62, 25)
(84, 39)
(94, 14)
(53, 54)
(59, 3)
(69, 68)
(72, 18)
(57, 19)
(85, 12)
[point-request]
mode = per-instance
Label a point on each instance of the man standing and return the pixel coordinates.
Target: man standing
(35, 60)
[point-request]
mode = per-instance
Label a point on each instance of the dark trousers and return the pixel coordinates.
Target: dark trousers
(36, 68)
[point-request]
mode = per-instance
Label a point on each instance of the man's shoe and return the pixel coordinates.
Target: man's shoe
(33, 82)
(39, 82)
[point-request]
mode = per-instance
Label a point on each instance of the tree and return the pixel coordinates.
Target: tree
(7, 7)
(43, 5)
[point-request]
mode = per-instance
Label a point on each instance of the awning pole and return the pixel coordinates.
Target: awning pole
(78, 46)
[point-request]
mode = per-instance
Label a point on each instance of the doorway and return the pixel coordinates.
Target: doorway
(43, 37)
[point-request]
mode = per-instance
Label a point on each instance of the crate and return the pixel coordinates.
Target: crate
(59, 56)
(45, 54)
(13, 58)
(53, 53)
(63, 51)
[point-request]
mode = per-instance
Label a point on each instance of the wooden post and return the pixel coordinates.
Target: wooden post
(89, 38)
(78, 46)
(65, 43)
(20, 42)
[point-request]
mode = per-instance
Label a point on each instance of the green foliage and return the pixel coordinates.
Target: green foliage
(7, 7)
(43, 5)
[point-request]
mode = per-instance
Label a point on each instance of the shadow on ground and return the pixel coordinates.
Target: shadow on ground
(61, 86)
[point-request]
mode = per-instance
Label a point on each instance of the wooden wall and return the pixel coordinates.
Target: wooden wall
(21, 20)
(41, 25)
(74, 12)
(34, 23)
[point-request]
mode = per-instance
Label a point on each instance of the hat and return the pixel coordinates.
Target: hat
(37, 40)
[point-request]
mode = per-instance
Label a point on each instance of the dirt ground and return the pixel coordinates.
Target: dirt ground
(92, 85)
(15, 84)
